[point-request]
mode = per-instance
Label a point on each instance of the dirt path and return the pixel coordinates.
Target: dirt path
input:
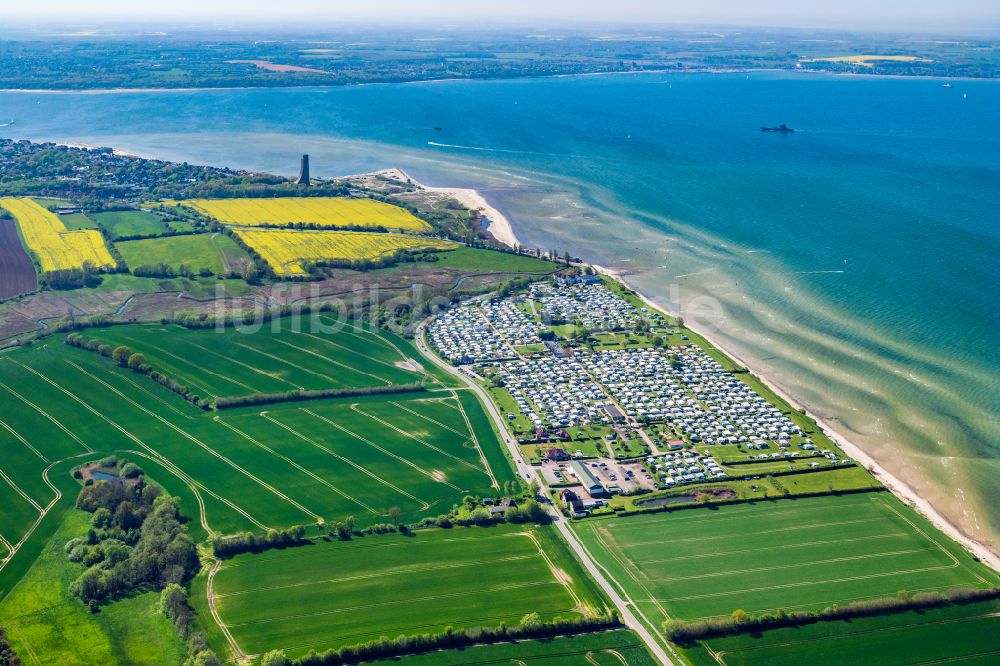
(213, 609)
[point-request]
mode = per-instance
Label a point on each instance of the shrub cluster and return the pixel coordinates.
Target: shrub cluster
(529, 628)
(7, 655)
(248, 542)
(740, 621)
(297, 395)
(136, 540)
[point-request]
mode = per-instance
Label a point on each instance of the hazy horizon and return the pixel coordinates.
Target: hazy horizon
(962, 16)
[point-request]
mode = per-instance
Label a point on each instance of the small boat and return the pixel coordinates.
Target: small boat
(437, 129)
(947, 85)
(781, 129)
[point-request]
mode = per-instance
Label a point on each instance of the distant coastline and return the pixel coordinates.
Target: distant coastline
(707, 70)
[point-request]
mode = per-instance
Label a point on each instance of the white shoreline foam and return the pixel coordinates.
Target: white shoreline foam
(503, 231)
(900, 489)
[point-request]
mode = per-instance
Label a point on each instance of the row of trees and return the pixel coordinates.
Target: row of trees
(299, 394)
(162, 270)
(531, 627)
(126, 358)
(248, 542)
(174, 604)
(740, 621)
(72, 278)
(136, 540)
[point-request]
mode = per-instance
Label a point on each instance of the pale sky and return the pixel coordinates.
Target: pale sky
(982, 15)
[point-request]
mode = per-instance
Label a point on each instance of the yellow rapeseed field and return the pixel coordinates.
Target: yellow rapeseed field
(47, 237)
(322, 211)
(285, 250)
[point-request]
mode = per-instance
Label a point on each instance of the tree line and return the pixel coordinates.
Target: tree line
(531, 627)
(175, 605)
(249, 542)
(300, 394)
(740, 621)
(126, 358)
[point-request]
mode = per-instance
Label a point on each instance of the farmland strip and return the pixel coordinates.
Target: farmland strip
(372, 444)
(350, 462)
(200, 443)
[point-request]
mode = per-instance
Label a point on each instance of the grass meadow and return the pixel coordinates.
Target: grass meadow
(216, 252)
(339, 593)
(801, 554)
(47, 625)
(131, 223)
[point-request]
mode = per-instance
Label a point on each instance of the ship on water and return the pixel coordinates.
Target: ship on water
(782, 129)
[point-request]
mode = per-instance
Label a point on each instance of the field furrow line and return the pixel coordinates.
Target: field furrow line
(343, 365)
(432, 597)
(404, 408)
(205, 447)
(285, 360)
(21, 439)
(783, 586)
(408, 463)
(416, 439)
(290, 461)
(764, 549)
(153, 452)
(251, 368)
(791, 565)
(475, 440)
(792, 528)
(72, 435)
(20, 491)
(145, 343)
(348, 461)
(417, 568)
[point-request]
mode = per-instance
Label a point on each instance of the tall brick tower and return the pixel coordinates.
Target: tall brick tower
(304, 172)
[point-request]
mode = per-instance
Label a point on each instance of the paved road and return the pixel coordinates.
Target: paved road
(622, 603)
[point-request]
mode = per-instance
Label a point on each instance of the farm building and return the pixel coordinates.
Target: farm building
(587, 478)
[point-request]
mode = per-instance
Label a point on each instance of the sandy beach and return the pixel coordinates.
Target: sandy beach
(499, 226)
(503, 231)
(87, 146)
(902, 490)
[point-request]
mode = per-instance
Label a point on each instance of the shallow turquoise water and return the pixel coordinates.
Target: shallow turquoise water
(854, 261)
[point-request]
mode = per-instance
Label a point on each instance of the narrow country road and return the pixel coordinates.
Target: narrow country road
(622, 603)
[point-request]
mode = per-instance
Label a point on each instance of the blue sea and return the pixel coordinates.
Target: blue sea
(855, 262)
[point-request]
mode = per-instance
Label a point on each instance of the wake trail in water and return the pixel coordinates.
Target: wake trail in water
(509, 151)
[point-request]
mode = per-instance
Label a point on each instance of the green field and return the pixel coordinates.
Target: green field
(291, 463)
(794, 554)
(131, 223)
(216, 252)
(958, 634)
(468, 258)
(609, 648)
(245, 360)
(47, 625)
(342, 593)
(75, 221)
